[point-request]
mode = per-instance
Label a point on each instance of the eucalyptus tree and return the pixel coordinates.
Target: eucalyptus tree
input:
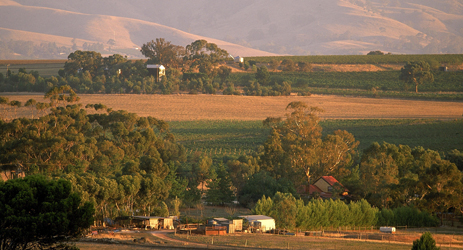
(81, 61)
(296, 150)
(416, 73)
(163, 52)
(203, 56)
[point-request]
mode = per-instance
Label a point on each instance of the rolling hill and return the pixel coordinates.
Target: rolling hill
(246, 28)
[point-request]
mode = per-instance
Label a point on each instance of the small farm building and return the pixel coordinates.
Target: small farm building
(156, 70)
(232, 225)
(239, 59)
(147, 222)
(264, 223)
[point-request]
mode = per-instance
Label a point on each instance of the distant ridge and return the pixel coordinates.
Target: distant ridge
(245, 28)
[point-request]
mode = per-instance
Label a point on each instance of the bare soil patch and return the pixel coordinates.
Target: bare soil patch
(220, 107)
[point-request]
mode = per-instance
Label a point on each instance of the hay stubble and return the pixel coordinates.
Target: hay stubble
(220, 107)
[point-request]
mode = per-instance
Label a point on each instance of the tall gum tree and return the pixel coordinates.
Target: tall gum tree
(295, 149)
(163, 52)
(416, 73)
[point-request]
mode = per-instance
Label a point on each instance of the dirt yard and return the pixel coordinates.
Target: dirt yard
(220, 107)
(358, 240)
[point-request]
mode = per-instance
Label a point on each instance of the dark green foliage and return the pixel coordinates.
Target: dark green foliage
(296, 150)
(288, 65)
(291, 213)
(406, 216)
(111, 157)
(284, 210)
(262, 76)
(203, 56)
(394, 176)
(377, 52)
(456, 157)
(261, 184)
(193, 76)
(39, 213)
(163, 52)
(81, 61)
(426, 242)
(220, 187)
(416, 73)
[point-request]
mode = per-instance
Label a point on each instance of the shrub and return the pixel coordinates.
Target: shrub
(426, 242)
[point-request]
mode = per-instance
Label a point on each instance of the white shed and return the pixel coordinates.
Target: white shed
(156, 70)
(390, 230)
(239, 59)
(266, 223)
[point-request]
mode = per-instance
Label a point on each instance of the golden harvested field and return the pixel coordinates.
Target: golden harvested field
(220, 107)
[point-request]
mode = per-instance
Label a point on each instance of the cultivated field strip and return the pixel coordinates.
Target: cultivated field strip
(247, 108)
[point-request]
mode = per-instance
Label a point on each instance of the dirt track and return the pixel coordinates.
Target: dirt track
(219, 107)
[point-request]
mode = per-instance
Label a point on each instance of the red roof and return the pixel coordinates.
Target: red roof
(313, 188)
(331, 180)
(304, 189)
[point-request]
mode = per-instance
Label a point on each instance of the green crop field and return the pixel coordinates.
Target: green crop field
(46, 68)
(219, 137)
(234, 138)
(382, 80)
(450, 59)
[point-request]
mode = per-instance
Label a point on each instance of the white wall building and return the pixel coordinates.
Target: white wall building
(266, 223)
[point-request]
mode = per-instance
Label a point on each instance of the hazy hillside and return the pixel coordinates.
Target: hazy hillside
(298, 27)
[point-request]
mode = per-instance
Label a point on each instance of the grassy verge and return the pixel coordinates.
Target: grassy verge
(268, 241)
(387, 94)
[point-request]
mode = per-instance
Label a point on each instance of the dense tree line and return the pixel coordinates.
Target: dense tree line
(115, 159)
(196, 68)
(291, 213)
(89, 72)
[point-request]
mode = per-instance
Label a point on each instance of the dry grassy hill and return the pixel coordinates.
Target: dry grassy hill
(44, 24)
(282, 27)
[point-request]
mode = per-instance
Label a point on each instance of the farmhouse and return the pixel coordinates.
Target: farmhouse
(146, 222)
(327, 187)
(261, 222)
